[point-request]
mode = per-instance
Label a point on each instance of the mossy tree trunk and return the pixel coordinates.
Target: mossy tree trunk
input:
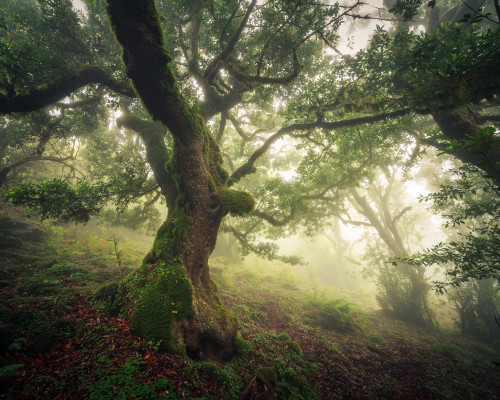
(171, 297)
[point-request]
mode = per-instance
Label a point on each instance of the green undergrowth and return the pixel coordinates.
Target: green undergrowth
(127, 381)
(294, 342)
(45, 269)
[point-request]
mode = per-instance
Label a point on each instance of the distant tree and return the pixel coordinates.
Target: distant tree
(403, 288)
(477, 303)
(470, 206)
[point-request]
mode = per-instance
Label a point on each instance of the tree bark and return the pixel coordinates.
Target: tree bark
(416, 309)
(461, 124)
(171, 298)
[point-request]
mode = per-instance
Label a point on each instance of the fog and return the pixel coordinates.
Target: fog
(249, 199)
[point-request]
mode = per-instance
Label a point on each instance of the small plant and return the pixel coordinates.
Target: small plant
(284, 337)
(127, 382)
(375, 338)
(335, 315)
(10, 370)
(119, 258)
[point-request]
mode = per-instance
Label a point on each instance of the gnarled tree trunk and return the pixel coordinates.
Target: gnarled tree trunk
(171, 297)
(461, 124)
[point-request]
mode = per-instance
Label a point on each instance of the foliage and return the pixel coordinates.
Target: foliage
(336, 315)
(127, 382)
(481, 144)
(477, 303)
(469, 203)
(10, 370)
(409, 8)
(454, 66)
(57, 199)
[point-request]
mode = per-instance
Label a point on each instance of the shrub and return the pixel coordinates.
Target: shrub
(335, 315)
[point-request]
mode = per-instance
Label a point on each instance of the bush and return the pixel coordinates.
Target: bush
(335, 315)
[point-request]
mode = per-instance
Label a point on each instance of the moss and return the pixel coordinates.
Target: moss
(109, 299)
(242, 347)
(236, 202)
(166, 299)
(214, 160)
(284, 337)
(170, 236)
(267, 375)
(218, 323)
(295, 347)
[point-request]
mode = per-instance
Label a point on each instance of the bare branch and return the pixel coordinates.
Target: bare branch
(401, 213)
(222, 127)
(238, 128)
(355, 223)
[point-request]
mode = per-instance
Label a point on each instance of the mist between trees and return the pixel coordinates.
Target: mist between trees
(246, 140)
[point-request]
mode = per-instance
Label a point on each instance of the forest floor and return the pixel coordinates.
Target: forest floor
(297, 344)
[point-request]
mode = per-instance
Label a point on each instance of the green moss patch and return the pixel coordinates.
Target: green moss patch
(238, 203)
(109, 299)
(168, 297)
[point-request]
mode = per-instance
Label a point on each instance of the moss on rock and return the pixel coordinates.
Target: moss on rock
(238, 203)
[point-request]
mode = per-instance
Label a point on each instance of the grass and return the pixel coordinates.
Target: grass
(293, 343)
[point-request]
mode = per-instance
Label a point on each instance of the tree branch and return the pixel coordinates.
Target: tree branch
(61, 87)
(249, 166)
(273, 221)
(401, 213)
(355, 223)
(157, 153)
(297, 67)
(213, 67)
(488, 118)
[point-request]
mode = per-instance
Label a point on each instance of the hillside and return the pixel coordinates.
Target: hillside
(293, 343)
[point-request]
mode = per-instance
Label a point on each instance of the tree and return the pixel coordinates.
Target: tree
(171, 297)
(449, 71)
(403, 287)
(192, 66)
(469, 204)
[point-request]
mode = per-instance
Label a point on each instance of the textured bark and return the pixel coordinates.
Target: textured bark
(202, 326)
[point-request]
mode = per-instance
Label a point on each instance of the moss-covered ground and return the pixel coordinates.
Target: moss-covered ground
(293, 343)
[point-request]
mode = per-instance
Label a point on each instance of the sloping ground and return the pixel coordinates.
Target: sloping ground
(375, 357)
(293, 344)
